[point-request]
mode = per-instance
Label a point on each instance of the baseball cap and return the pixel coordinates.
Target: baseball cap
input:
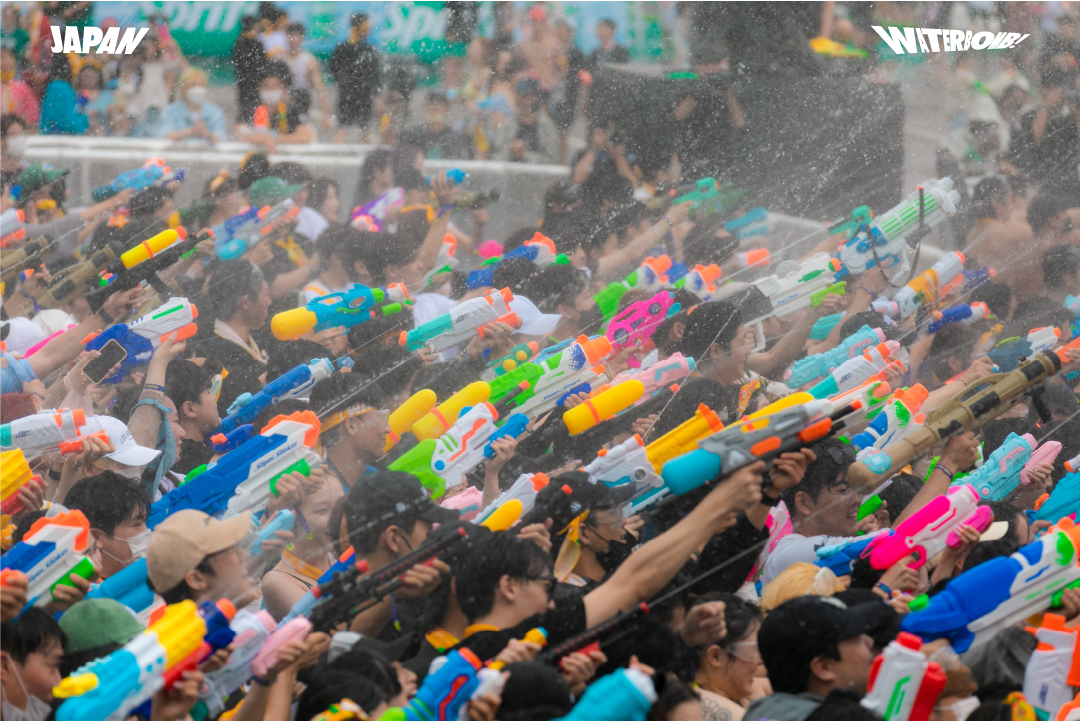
(184, 539)
(266, 191)
(802, 629)
(39, 174)
(391, 494)
(533, 321)
(96, 622)
(127, 452)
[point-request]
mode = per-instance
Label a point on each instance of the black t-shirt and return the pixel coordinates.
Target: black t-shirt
(561, 623)
(285, 119)
(694, 391)
(193, 453)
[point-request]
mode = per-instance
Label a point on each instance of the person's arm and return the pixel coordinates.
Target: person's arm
(776, 359)
(285, 282)
(584, 167)
(638, 247)
(67, 346)
(145, 422)
(649, 568)
(302, 135)
(958, 455)
(863, 290)
(316, 76)
(429, 249)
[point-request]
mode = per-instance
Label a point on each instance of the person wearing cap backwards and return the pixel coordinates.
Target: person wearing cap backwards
(812, 645)
(193, 556)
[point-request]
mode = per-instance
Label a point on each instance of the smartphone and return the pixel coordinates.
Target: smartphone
(111, 354)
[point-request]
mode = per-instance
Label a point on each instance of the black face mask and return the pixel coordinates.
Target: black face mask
(589, 321)
(617, 553)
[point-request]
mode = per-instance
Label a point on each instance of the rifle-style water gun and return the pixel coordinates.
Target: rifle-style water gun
(143, 262)
(816, 366)
(462, 322)
(888, 238)
(52, 550)
(969, 409)
(903, 685)
(357, 305)
(30, 255)
(142, 337)
(931, 529)
(925, 290)
(794, 287)
(649, 277)
(154, 659)
(244, 237)
(853, 373)
(1063, 502)
(129, 587)
(14, 474)
(1053, 668)
(987, 598)
(898, 416)
(441, 463)
(1008, 466)
(297, 383)
(46, 432)
(245, 478)
(659, 376)
(521, 353)
(701, 280)
(634, 325)
(576, 370)
(153, 172)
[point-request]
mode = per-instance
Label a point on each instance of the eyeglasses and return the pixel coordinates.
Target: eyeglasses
(614, 524)
(550, 583)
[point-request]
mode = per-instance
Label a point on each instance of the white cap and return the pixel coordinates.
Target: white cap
(533, 321)
(52, 320)
(995, 531)
(23, 334)
(128, 452)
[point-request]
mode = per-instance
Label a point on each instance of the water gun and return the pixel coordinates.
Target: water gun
(454, 176)
(444, 693)
(30, 255)
(539, 250)
(52, 550)
(626, 694)
(142, 337)
(440, 463)
(402, 419)
(593, 638)
(649, 277)
(983, 600)
(635, 323)
(741, 444)
(244, 237)
(223, 231)
(1061, 502)
(898, 417)
(853, 373)
(925, 290)
(575, 370)
(701, 280)
(963, 314)
(752, 224)
(969, 409)
(445, 261)
(379, 208)
(357, 305)
(283, 521)
(45, 432)
(251, 631)
(14, 474)
(794, 287)
(1009, 352)
(462, 322)
(931, 529)
(129, 587)
(470, 199)
(1053, 667)
(297, 383)
(12, 216)
(967, 281)
(153, 172)
(122, 681)
(523, 492)
(439, 420)
(1006, 468)
(143, 262)
(815, 366)
(903, 685)
(704, 199)
(840, 556)
(521, 353)
(824, 326)
(890, 235)
(659, 376)
(350, 592)
(245, 478)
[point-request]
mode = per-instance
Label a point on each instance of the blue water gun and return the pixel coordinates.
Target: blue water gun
(839, 558)
(819, 365)
(749, 225)
(283, 521)
(223, 231)
(455, 176)
(1063, 502)
(127, 587)
(444, 692)
(352, 307)
(153, 172)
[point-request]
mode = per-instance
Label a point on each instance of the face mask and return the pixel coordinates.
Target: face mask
(36, 709)
(617, 553)
(961, 709)
(138, 545)
(196, 95)
(270, 97)
(17, 145)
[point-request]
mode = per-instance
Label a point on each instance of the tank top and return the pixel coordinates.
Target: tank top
(298, 66)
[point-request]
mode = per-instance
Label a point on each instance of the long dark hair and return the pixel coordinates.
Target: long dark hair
(984, 196)
(378, 159)
(60, 68)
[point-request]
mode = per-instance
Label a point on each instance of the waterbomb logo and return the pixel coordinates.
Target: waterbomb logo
(926, 40)
(107, 43)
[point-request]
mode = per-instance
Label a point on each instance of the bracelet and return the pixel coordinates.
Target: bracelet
(883, 587)
(104, 315)
(868, 291)
(942, 469)
(54, 474)
(262, 681)
(444, 209)
(154, 387)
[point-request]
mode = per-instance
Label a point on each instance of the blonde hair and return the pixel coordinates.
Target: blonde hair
(799, 579)
(192, 75)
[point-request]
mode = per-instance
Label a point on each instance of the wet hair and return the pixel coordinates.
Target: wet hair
(1005, 511)
(1044, 207)
(713, 322)
(392, 365)
(953, 340)
(72, 662)
(823, 472)
(253, 166)
(338, 392)
(987, 192)
(292, 353)
(370, 666)
(995, 432)
(900, 493)
(555, 285)
(376, 160)
(702, 244)
(108, 500)
(278, 69)
(185, 381)
(31, 632)
(741, 617)
(445, 379)
(493, 557)
(294, 28)
(1059, 262)
(292, 173)
(997, 296)
(608, 23)
(1037, 312)
(986, 550)
(319, 189)
(329, 687)
(513, 273)
(60, 68)
(230, 281)
(674, 691)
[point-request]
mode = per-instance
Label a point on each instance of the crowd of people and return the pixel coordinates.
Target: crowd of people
(597, 601)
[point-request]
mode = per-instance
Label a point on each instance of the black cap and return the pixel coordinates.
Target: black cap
(804, 628)
(381, 498)
(890, 623)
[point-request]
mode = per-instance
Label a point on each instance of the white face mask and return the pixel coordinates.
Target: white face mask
(36, 709)
(133, 472)
(17, 145)
(138, 544)
(270, 97)
(962, 709)
(196, 95)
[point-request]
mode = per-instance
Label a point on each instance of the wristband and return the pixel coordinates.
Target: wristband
(444, 209)
(154, 387)
(54, 474)
(868, 291)
(104, 315)
(942, 469)
(883, 587)
(767, 501)
(262, 681)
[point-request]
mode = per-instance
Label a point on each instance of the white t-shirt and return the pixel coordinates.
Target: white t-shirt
(311, 223)
(317, 288)
(795, 548)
